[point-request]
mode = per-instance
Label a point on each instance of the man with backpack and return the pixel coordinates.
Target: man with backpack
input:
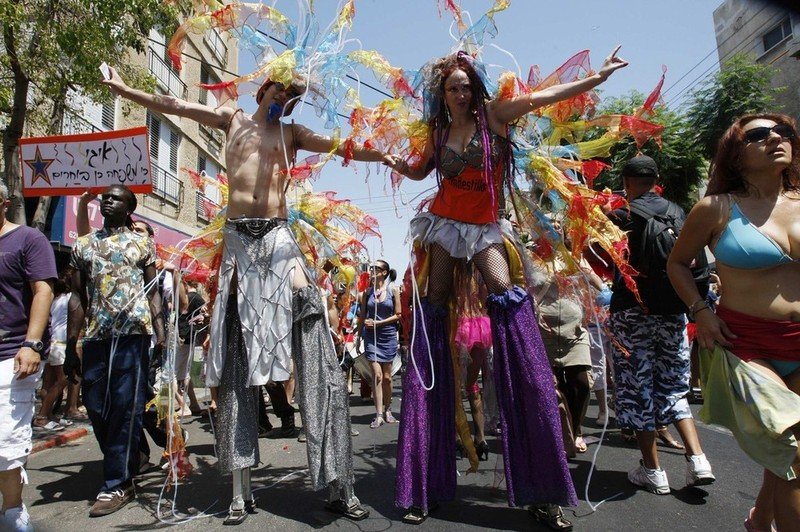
(651, 351)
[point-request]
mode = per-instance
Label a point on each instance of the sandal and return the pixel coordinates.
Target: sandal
(415, 516)
(667, 438)
(377, 422)
(390, 418)
(550, 515)
(50, 426)
(354, 512)
(580, 445)
(235, 516)
(79, 416)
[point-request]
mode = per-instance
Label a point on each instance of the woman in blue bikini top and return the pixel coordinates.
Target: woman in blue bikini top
(750, 219)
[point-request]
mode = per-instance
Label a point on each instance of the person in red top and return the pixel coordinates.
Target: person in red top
(469, 150)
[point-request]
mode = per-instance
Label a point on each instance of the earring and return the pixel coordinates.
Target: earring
(447, 112)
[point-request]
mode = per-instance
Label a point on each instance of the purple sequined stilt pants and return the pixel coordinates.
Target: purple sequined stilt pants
(533, 451)
(426, 463)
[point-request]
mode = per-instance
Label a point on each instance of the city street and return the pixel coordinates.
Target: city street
(64, 480)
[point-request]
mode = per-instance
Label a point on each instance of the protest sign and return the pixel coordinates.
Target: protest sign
(70, 164)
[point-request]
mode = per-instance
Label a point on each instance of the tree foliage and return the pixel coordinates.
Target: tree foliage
(52, 46)
(680, 161)
(742, 86)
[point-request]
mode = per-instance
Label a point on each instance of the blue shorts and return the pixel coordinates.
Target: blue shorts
(653, 382)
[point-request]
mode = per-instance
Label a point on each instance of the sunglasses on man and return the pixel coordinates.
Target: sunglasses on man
(758, 134)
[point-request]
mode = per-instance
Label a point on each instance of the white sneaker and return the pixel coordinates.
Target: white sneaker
(17, 519)
(698, 471)
(653, 480)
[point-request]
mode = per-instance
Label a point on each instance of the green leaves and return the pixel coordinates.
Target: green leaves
(691, 133)
(742, 86)
(680, 161)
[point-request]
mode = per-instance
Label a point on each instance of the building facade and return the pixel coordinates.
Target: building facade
(769, 32)
(175, 143)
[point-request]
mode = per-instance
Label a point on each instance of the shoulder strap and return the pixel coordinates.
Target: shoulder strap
(641, 210)
(228, 127)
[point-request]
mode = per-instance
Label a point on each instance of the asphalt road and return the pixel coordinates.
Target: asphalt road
(64, 482)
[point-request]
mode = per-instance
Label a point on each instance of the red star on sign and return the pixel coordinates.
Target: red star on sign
(39, 167)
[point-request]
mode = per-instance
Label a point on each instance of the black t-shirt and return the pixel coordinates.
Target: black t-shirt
(657, 294)
(185, 327)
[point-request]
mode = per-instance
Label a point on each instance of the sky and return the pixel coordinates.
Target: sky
(678, 34)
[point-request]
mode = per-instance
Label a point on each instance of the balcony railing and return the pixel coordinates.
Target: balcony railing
(216, 44)
(167, 78)
(214, 139)
(205, 207)
(166, 186)
(72, 124)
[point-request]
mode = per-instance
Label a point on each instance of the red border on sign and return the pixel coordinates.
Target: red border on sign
(83, 137)
(75, 191)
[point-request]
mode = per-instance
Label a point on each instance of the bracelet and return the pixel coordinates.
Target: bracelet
(693, 311)
(693, 305)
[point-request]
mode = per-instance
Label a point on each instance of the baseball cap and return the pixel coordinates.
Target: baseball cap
(640, 166)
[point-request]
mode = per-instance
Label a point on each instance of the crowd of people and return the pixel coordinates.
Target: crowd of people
(538, 348)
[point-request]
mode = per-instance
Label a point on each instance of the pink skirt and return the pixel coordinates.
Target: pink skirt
(474, 332)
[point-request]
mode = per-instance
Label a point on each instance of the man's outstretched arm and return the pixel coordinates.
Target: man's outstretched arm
(170, 105)
(314, 142)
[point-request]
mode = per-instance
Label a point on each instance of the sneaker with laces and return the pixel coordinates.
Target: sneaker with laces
(698, 471)
(16, 519)
(109, 502)
(653, 480)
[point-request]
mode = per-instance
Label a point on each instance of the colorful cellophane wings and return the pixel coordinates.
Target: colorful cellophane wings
(318, 60)
(557, 153)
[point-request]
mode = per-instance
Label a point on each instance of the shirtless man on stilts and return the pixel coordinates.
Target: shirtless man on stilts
(267, 310)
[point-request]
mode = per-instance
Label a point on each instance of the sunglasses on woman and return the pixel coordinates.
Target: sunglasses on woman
(757, 134)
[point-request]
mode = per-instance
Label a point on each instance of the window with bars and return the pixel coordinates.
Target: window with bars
(777, 35)
(207, 78)
(107, 118)
(164, 147)
(174, 145)
(154, 129)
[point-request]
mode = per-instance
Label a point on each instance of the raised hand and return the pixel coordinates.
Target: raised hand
(612, 64)
(114, 83)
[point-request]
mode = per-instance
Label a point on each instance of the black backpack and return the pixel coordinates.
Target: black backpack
(660, 234)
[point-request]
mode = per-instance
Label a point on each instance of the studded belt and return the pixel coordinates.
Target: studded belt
(255, 227)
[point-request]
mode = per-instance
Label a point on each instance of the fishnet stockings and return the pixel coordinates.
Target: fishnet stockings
(492, 263)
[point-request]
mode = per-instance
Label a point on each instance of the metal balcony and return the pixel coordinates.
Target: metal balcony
(73, 124)
(167, 77)
(166, 186)
(214, 139)
(215, 42)
(205, 207)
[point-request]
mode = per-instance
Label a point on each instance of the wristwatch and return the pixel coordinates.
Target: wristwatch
(36, 345)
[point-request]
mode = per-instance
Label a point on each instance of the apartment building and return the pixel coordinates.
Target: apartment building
(771, 33)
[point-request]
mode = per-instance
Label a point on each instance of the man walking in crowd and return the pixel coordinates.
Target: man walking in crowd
(652, 378)
(27, 272)
(114, 287)
(267, 310)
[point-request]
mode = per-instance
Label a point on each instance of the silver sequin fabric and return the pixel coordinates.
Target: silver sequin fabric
(323, 397)
(236, 426)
